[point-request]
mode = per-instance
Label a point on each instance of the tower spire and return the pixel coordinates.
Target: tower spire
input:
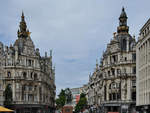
(22, 17)
(96, 65)
(123, 28)
(22, 32)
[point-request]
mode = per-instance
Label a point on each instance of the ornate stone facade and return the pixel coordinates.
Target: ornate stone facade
(31, 76)
(113, 82)
(143, 69)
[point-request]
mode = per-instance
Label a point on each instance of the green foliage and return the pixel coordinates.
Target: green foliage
(82, 103)
(64, 97)
(8, 96)
(60, 101)
(82, 95)
(68, 95)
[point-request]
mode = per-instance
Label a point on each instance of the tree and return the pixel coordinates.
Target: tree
(61, 100)
(65, 97)
(82, 103)
(68, 96)
(8, 96)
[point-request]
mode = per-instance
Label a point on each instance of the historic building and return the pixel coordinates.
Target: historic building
(143, 69)
(113, 83)
(76, 94)
(95, 90)
(93, 86)
(30, 75)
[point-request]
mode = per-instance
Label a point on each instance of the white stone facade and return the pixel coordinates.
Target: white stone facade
(143, 69)
(31, 76)
(112, 86)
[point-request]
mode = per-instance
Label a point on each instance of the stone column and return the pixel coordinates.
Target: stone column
(16, 54)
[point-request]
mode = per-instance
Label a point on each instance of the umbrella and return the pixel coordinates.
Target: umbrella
(3, 109)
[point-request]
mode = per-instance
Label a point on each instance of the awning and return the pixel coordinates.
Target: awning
(3, 109)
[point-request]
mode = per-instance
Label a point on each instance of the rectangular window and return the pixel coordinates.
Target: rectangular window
(134, 57)
(110, 97)
(133, 83)
(118, 96)
(118, 71)
(29, 63)
(35, 98)
(113, 72)
(8, 74)
(17, 85)
(25, 97)
(30, 97)
(0, 75)
(0, 86)
(134, 70)
(30, 88)
(133, 95)
(108, 73)
(114, 96)
(124, 70)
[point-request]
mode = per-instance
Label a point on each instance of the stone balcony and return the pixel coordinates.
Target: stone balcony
(119, 76)
(119, 63)
(32, 102)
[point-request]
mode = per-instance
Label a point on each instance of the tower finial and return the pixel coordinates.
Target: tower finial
(23, 27)
(51, 51)
(96, 65)
(123, 14)
(22, 16)
(123, 28)
(123, 8)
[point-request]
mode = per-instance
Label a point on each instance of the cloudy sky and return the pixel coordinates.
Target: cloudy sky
(76, 30)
